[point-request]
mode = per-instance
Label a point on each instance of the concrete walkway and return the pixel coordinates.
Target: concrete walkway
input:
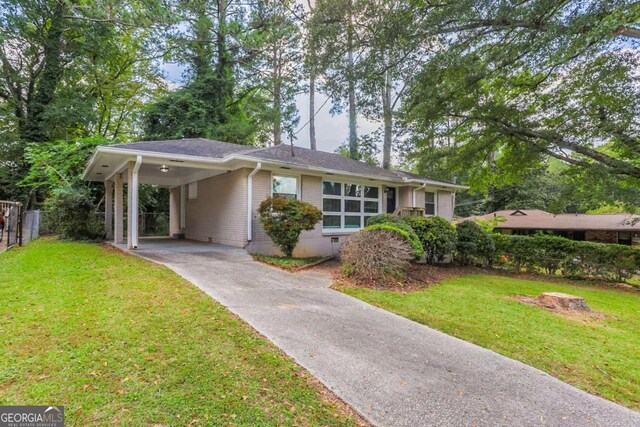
(393, 371)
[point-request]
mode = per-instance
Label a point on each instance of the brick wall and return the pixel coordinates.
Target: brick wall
(311, 243)
(219, 212)
(602, 236)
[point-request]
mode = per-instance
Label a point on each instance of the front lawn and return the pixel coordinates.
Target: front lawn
(286, 263)
(118, 340)
(599, 356)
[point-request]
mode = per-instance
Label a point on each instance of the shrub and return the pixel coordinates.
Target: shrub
(572, 258)
(382, 219)
(71, 214)
(375, 253)
(406, 232)
(437, 235)
(473, 244)
(284, 219)
(604, 261)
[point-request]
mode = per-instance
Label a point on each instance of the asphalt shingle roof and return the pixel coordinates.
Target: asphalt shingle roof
(199, 147)
(535, 219)
(296, 156)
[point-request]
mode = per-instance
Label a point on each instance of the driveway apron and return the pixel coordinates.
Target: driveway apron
(393, 371)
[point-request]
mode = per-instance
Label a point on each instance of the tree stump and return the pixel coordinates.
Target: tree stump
(563, 301)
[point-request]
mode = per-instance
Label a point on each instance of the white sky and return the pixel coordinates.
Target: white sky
(331, 131)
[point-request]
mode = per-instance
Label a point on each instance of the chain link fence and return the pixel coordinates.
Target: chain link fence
(20, 227)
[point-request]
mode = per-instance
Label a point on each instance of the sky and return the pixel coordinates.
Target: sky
(331, 130)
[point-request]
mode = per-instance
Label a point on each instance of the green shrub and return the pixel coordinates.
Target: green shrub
(553, 254)
(382, 219)
(406, 232)
(437, 235)
(71, 214)
(374, 254)
(284, 219)
(473, 244)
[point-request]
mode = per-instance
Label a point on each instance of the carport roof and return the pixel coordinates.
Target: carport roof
(280, 154)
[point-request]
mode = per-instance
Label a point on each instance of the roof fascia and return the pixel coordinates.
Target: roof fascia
(235, 156)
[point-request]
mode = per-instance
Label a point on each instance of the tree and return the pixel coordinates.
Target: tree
(68, 70)
(277, 67)
(516, 84)
(207, 105)
(334, 40)
(388, 60)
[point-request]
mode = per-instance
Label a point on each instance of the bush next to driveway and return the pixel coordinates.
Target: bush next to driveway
(375, 253)
(284, 219)
(119, 340)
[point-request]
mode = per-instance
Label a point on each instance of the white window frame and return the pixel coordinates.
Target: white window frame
(435, 202)
(342, 214)
(297, 177)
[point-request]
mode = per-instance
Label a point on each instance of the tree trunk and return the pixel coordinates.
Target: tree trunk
(277, 98)
(35, 128)
(312, 110)
(388, 121)
(223, 70)
(353, 133)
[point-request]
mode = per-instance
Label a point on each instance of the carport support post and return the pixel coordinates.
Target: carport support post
(118, 208)
(108, 209)
(132, 199)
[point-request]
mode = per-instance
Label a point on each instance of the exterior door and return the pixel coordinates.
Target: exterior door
(391, 199)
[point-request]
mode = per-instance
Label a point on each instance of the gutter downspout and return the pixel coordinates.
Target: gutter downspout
(250, 201)
(134, 202)
(414, 193)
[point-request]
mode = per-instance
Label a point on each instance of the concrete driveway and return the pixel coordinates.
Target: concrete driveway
(393, 371)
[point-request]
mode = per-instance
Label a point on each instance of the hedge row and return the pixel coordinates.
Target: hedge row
(468, 243)
(553, 254)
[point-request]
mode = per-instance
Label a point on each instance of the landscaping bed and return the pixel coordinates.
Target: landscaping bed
(287, 263)
(119, 340)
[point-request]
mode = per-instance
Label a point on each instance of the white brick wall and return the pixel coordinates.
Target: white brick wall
(219, 212)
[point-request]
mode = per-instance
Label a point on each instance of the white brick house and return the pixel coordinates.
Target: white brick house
(216, 188)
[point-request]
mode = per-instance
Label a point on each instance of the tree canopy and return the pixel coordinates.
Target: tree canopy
(492, 94)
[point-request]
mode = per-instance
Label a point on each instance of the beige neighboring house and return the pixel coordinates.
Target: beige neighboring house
(623, 229)
(216, 188)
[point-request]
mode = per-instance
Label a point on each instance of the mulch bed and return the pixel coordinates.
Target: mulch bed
(421, 276)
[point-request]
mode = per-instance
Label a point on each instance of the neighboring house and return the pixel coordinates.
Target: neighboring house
(216, 188)
(623, 229)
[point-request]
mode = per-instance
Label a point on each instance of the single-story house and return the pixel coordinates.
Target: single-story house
(623, 229)
(216, 188)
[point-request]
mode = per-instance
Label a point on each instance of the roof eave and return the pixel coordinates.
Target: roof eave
(235, 156)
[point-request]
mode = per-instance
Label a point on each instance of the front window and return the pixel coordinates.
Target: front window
(429, 203)
(285, 186)
(347, 206)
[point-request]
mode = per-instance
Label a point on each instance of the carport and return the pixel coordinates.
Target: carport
(132, 165)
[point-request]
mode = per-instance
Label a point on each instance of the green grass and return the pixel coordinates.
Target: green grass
(599, 356)
(286, 263)
(118, 340)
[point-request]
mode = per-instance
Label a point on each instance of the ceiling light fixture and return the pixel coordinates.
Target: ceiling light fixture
(164, 168)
